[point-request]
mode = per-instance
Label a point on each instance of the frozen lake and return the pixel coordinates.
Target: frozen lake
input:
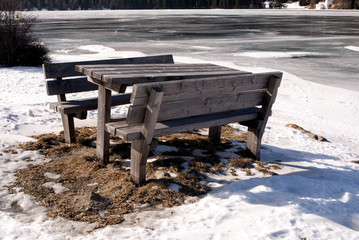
(320, 46)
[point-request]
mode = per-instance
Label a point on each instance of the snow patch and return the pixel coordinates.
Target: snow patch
(57, 187)
(52, 175)
(353, 48)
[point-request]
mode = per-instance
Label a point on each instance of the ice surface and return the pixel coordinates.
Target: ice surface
(319, 46)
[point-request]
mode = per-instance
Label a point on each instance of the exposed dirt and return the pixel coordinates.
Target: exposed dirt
(75, 186)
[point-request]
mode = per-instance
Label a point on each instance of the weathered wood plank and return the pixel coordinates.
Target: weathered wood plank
(130, 133)
(184, 89)
(113, 77)
(120, 88)
(131, 79)
(74, 106)
(254, 135)
(115, 69)
(140, 148)
(65, 86)
(55, 70)
(198, 106)
(152, 111)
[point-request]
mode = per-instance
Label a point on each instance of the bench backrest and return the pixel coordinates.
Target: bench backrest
(193, 97)
(67, 80)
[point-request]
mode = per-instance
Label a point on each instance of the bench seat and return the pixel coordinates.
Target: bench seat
(85, 104)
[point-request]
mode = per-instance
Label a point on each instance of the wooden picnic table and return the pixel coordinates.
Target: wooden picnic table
(113, 77)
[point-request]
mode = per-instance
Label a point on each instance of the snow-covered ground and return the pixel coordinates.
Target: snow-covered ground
(315, 195)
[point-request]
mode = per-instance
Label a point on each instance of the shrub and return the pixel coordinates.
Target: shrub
(17, 44)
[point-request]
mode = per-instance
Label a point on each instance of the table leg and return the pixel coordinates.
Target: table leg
(104, 116)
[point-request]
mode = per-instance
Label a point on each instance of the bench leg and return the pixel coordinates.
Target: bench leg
(140, 148)
(69, 128)
(254, 141)
(215, 134)
(254, 136)
(139, 154)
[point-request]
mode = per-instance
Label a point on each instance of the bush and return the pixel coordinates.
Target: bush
(17, 45)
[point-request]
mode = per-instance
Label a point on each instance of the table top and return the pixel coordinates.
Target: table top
(114, 75)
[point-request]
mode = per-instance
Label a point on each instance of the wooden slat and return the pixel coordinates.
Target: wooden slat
(140, 148)
(199, 106)
(55, 70)
(201, 88)
(152, 112)
(130, 133)
(75, 85)
(131, 79)
(73, 106)
(116, 69)
(114, 76)
(186, 98)
(254, 135)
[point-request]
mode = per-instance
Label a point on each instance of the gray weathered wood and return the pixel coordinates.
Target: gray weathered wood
(186, 98)
(140, 78)
(104, 116)
(199, 106)
(218, 85)
(67, 120)
(98, 71)
(85, 104)
(75, 82)
(130, 74)
(55, 70)
(236, 100)
(130, 133)
(65, 86)
(152, 111)
(140, 148)
(254, 135)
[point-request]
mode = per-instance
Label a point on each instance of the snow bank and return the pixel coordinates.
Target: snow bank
(315, 195)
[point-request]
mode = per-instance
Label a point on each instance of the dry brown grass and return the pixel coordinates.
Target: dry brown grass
(308, 133)
(241, 162)
(104, 194)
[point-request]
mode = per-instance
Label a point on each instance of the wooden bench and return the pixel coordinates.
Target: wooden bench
(161, 108)
(64, 79)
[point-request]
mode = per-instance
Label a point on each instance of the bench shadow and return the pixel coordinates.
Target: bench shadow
(318, 186)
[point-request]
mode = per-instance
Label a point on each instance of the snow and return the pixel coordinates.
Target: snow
(353, 48)
(294, 5)
(57, 187)
(315, 195)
